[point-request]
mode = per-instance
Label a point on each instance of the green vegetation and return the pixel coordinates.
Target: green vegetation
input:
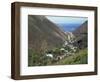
(79, 58)
(36, 59)
(33, 58)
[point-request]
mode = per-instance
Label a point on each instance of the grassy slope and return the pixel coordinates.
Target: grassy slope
(78, 58)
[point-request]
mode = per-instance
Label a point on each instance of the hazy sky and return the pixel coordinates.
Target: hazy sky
(67, 23)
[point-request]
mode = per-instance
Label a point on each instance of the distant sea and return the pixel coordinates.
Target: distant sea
(68, 27)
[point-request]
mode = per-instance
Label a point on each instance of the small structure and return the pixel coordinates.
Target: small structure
(49, 55)
(62, 49)
(66, 51)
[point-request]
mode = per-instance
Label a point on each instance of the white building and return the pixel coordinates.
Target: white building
(49, 55)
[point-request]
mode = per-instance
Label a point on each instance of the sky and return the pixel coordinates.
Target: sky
(67, 23)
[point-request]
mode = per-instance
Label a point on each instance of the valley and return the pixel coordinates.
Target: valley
(48, 44)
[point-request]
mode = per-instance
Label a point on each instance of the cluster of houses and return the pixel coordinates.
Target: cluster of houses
(65, 52)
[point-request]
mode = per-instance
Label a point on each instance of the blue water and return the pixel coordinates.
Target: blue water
(68, 27)
(67, 23)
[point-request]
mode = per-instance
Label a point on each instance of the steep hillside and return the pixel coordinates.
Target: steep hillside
(81, 35)
(81, 30)
(43, 34)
